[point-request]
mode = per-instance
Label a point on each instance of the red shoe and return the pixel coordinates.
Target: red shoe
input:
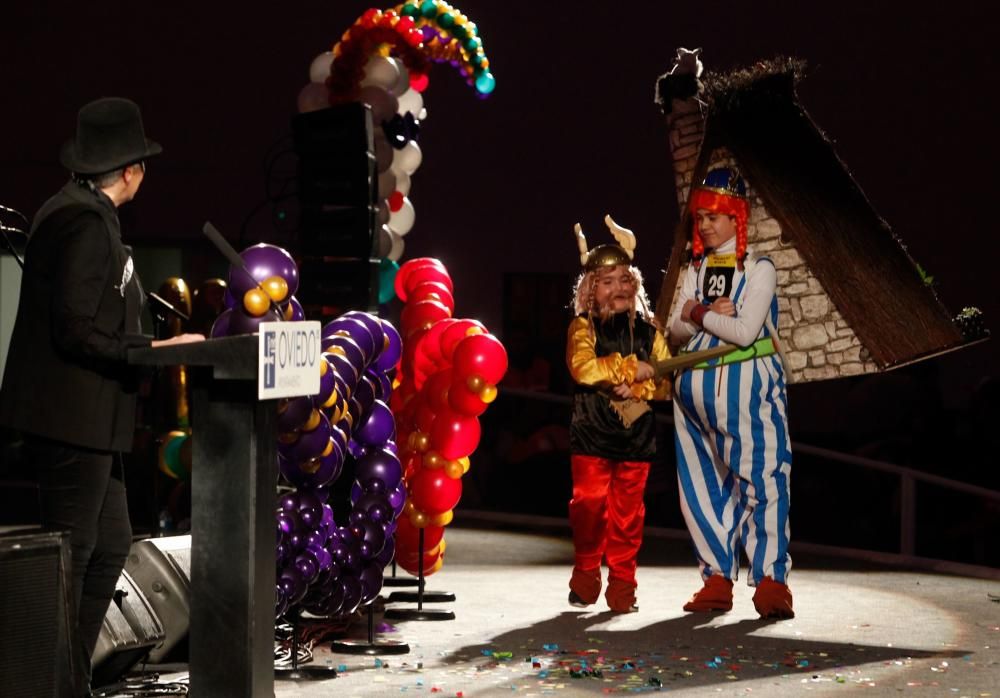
(716, 595)
(621, 596)
(773, 599)
(584, 587)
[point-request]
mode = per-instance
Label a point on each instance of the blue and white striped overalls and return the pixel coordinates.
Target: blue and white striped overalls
(734, 456)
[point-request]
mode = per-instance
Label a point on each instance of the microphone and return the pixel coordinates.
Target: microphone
(163, 306)
(227, 250)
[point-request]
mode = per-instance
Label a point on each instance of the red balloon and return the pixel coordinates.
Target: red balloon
(430, 342)
(421, 315)
(408, 268)
(433, 290)
(456, 332)
(454, 436)
(481, 355)
(424, 274)
(433, 492)
(432, 563)
(436, 390)
(407, 535)
(425, 417)
(464, 401)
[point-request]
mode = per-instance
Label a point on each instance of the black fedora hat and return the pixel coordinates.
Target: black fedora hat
(109, 135)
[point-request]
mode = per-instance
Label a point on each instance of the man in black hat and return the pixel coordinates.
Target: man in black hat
(67, 385)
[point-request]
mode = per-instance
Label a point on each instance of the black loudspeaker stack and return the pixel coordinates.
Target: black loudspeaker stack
(36, 587)
(337, 189)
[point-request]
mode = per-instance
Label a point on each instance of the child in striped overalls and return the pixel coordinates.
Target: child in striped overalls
(733, 451)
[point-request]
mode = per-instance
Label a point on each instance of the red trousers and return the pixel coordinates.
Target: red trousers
(607, 513)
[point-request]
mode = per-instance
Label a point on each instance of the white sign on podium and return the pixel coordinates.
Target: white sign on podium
(288, 359)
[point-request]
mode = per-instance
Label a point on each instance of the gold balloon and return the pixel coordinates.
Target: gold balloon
(464, 460)
(475, 383)
(419, 519)
(289, 312)
(488, 394)
(310, 466)
(432, 459)
(328, 450)
(443, 519)
(276, 287)
(313, 420)
(454, 469)
(256, 302)
(421, 442)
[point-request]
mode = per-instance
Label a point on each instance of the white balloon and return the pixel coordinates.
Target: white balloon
(313, 97)
(422, 116)
(383, 241)
(401, 221)
(411, 101)
(319, 71)
(403, 82)
(407, 159)
(402, 182)
(386, 183)
(396, 250)
(384, 152)
(383, 104)
(380, 71)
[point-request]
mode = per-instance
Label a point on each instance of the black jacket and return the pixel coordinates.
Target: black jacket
(66, 375)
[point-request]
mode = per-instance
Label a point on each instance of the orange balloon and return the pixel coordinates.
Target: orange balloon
(256, 302)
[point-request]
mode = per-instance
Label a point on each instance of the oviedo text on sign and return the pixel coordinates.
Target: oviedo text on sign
(288, 359)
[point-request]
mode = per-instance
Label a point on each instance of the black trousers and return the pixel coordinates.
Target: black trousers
(83, 492)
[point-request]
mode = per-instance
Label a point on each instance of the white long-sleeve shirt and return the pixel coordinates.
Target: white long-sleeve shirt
(745, 327)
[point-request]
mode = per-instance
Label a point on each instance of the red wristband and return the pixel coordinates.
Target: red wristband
(698, 314)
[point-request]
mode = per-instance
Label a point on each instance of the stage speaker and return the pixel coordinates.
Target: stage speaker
(343, 231)
(330, 286)
(161, 567)
(36, 587)
(130, 631)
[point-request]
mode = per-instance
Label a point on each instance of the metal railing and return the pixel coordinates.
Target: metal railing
(908, 478)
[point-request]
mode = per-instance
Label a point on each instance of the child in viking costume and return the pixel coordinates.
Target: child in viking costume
(611, 352)
(731, 427)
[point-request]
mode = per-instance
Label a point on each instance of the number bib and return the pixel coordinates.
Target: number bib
(719, 272)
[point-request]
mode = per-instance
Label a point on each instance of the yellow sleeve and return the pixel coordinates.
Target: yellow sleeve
(589, 369)
(655, 389)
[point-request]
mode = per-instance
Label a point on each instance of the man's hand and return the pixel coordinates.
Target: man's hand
(186, 338)
(686, 310)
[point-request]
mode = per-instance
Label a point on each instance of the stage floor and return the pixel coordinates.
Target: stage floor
(858, 629)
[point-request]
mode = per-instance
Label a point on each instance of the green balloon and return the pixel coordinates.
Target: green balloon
(386, 279)
(409, 9)
(446, 20)
(460, 31)
(473, 44)
(429, 9)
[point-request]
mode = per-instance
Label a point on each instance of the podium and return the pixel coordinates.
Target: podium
(233, 534)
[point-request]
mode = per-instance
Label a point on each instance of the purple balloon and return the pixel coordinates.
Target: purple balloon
(397, 498)
(382, 465)
(297, 312)
(365, 393)
(310, 509)
(376, 507)
(374, 327)
(339, 344)
(371, 582)
(378, 427)
(356, 330)
(356, 492)
(241, 323)
(220, 328)
(382, 383)
(393, 348)
(391, 446)
(327, 518)
(327, 384)
(311, 444)
(288, 522)
(289, 501)
(352, 594)
(292, 585)
(355, 449)
(339, 436)
(347, 372)
(323, 557)
(263, 261)
(307, 565)
(388, 552)
(293, 413)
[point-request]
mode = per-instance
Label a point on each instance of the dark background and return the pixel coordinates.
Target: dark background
(571, 133)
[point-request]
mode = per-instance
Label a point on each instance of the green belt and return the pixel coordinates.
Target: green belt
(759, 349)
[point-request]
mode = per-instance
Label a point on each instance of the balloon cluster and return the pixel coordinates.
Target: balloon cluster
(449, 36)
(265, 294)
(383, 60)
(322, 567)
(447, 379)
